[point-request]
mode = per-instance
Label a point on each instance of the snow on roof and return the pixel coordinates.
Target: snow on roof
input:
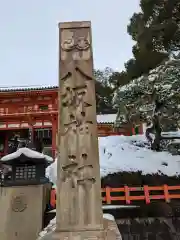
(48, 158)
(26, 88)
(28, 153)
(171, 134)
(106, 118)
(121, 153)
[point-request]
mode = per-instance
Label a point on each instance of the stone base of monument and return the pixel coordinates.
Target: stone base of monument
(110, 232)
(82, 235)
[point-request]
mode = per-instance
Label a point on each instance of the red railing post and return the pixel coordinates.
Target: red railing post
(53, 198)
(108, 199)
(108, 195)
(126, 191)
(166, 193)
(146, 194)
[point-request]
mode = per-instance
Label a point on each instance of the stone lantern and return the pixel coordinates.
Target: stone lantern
(22, 200)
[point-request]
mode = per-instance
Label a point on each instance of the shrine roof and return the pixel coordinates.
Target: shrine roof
(27, 88)
(106, 118)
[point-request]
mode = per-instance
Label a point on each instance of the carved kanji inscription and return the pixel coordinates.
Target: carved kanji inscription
(79, 180)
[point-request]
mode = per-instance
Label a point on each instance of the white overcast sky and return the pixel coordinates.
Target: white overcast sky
(29, 36)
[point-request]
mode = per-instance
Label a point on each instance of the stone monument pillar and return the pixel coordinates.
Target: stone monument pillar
(79, 205)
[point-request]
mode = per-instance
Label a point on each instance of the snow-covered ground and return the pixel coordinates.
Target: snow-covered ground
(52, 226)
(123, 153)
(131, 154)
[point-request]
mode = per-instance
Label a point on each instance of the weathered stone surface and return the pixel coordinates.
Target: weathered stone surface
(110, 232)
(21, 211)
(79, 206)
(79, 196)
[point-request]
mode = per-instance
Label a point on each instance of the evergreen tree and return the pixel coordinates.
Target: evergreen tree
(104, 91)
(157, 27)
(156, 31)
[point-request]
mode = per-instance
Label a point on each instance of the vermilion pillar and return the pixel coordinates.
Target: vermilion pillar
(6, 144)
(54, 131)
(31, 122)
(133, 130)
(141, 128)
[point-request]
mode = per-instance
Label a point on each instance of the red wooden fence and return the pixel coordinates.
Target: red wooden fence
(143, 194)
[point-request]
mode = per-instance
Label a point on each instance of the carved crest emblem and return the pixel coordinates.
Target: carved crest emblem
(19, 203)
(81, 43)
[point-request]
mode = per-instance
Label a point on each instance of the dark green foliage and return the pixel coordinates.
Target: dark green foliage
(154, 93)
(157, 26)
(156, 31)
(144, 61)
(104, 91)
(153, 98)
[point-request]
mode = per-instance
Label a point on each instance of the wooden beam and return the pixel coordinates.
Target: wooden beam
(10, 94)
(26, 115)
(25, 103)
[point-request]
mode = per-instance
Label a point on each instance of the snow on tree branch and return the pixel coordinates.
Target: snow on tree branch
(157, 93)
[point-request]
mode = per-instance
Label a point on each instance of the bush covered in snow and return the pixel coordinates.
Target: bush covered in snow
(120, 154)
(153, 98)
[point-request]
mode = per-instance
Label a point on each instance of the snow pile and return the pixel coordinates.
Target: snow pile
(131, 154)
(171, 134)
(51, 172)
(49, 229)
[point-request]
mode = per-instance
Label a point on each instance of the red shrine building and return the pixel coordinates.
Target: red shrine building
(35, 110)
